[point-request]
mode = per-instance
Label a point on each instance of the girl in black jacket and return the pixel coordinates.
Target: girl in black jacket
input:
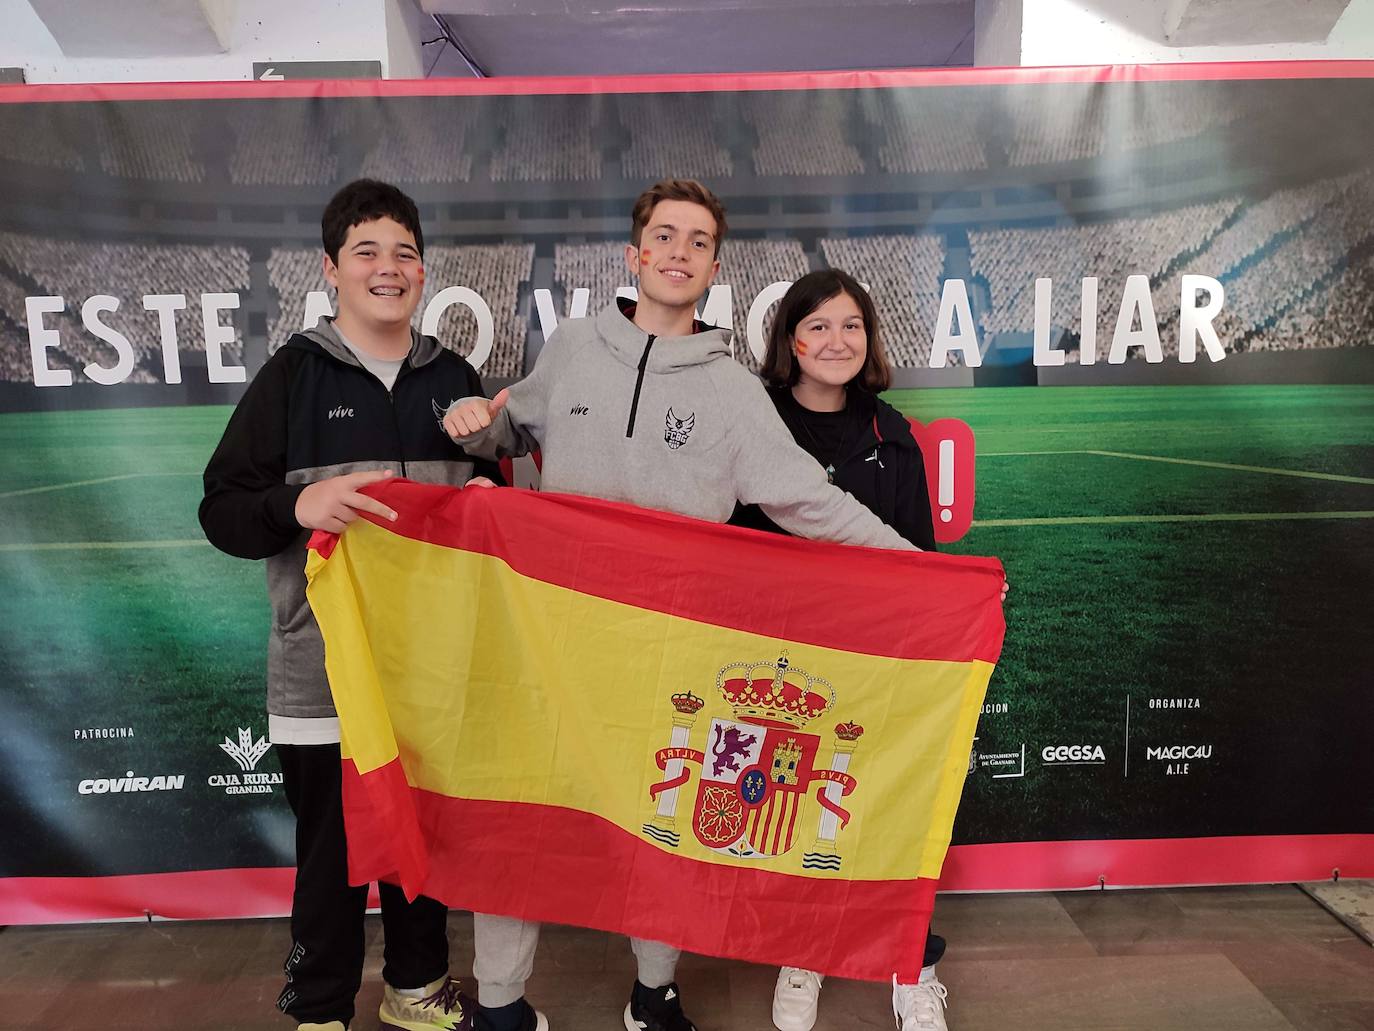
(825, 367)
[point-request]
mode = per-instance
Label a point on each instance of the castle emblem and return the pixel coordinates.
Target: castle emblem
(758, 766)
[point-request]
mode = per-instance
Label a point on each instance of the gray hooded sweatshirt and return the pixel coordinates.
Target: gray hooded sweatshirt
(672, 423)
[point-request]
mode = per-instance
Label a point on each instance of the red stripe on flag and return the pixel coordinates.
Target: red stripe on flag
(614, 551)
(563, 866)
(1016, 866)
(392, 848)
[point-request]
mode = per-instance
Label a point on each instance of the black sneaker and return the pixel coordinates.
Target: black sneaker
(518, 1016)
(656, 1009)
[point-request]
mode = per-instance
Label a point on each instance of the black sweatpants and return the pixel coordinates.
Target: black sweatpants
(934, 950)
(325, 966)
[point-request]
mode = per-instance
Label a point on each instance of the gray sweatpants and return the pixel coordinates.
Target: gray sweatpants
(505, 958)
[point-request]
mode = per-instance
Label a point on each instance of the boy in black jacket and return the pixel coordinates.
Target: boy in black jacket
(351, 402)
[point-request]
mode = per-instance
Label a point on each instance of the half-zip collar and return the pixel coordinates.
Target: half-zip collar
(655, 354)
(639, 385)
(625, 341)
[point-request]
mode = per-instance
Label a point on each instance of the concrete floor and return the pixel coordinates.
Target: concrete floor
(1204, 959)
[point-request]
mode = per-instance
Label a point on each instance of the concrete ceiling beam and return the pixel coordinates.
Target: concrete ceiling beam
(1190, 23)
(138, 28)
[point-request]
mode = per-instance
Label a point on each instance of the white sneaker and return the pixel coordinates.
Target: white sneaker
(795, 999)
(920, 1007)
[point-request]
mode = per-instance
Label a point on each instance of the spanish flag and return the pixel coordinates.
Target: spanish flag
(574, 711)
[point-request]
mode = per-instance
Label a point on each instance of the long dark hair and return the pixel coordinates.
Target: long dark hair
(808, 293)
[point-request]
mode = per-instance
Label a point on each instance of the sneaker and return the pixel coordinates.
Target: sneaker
(656, 1009)
(530, 1018)
(333, 1025)
(795, 999)
(920, 1007)
(443, 1008)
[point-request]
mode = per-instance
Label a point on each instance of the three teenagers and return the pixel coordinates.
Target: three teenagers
(639, 403)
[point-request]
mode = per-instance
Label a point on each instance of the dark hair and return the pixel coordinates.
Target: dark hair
(675, 189)
(366, 200)
(808, 293)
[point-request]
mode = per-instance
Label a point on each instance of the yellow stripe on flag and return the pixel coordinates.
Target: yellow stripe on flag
(502, 687)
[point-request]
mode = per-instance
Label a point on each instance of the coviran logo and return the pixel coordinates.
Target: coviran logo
(130, 783)
(246, 752)
(1073, 755)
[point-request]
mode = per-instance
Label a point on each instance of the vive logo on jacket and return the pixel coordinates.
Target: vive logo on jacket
(579, 410)
(340, 413)
(676, 431)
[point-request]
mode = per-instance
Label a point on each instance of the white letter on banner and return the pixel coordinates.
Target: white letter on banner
(718, 309)
(317, 306)
(1087, 323)
(1136, 299)
(486, 326)
(1194, 321)
(166, 306)
(548, 318)
(954, 301)
(753, 323)
(216, 336)
(41, 338)
(90, 318)
(1044, 354)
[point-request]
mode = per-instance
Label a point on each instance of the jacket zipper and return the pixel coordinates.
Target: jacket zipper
(639, 383)
(395, 420)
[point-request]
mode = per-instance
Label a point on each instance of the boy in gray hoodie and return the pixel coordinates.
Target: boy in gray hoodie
(643, 404)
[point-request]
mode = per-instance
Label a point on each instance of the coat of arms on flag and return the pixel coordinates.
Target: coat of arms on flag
(758, 767)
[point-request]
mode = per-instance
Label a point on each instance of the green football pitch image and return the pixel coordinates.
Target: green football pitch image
(1206, 546)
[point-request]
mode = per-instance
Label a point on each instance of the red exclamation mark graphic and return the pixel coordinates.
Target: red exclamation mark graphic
(948, 452)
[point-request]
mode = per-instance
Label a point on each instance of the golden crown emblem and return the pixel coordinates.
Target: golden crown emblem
(776, 693)
(686, 703)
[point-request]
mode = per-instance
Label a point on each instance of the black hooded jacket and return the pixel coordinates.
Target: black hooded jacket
(880, 465)
(313, 412)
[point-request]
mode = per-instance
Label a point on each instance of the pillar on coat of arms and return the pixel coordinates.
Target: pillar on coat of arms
(846, 740)
(685, 708)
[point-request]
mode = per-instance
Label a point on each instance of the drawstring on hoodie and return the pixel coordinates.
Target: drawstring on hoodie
(639, 384)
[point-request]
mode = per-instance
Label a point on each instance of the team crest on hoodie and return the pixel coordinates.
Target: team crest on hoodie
(675, 430)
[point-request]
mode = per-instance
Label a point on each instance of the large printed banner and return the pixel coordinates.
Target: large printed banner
(635, 721)
(1147, 293)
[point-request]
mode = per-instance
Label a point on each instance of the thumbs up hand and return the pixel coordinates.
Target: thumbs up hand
(474, 414)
